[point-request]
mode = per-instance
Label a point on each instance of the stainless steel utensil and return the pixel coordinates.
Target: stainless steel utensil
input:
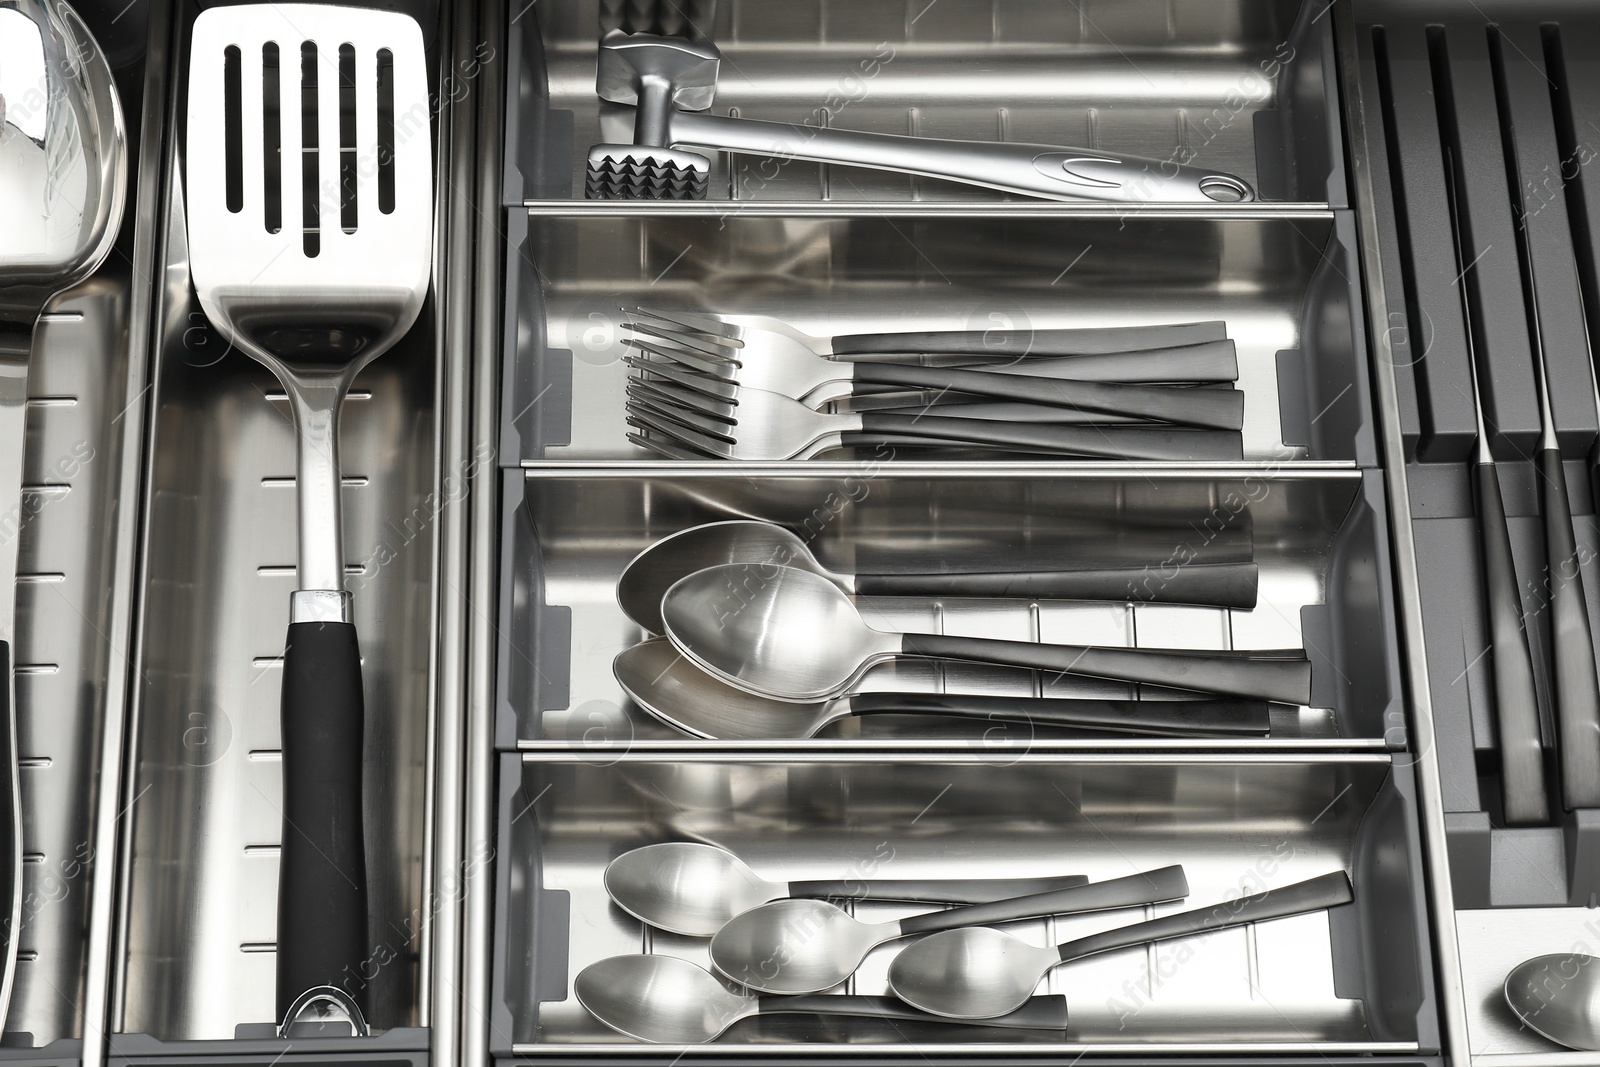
(63, 181)
(311, 250)
(1558, 997)
(661, 75)
(773, 427)
(648, 576)
(816, 380)
(976, 973)
(806, 946)
(792, 635)
(1516, 701)
(667, 686)
(695, 889)
(1190, 350)
(674, 1002)
(1576, 685)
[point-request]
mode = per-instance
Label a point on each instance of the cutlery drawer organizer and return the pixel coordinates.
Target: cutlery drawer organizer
(1317, 537)
(1246, 88)
(194, 968)
(1284, 284)
(1355, 979)
(1475, 123)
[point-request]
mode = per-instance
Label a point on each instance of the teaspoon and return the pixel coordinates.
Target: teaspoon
(1558, 997)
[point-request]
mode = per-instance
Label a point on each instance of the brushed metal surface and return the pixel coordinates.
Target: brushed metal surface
(1492, 942)
(70, 478)
(1236, 826)
(845, 275)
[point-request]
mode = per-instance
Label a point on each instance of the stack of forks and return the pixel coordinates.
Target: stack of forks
(753, 388)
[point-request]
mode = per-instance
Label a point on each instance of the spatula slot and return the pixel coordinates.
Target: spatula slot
(271, 139)
(385, 131)
(233, 127)
(347, 138)
(309, 127)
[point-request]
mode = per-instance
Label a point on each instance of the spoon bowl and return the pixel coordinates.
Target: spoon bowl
(973, 972)
(1558, 997)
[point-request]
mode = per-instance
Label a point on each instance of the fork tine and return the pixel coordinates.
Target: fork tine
(715, 388)
(709, 419)
(698, 322)
(705, 347)
(684, 436)
(649, 437)
(699, 361)
(668, 395)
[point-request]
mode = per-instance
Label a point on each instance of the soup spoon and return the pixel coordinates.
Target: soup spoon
(1558, 997)
(792, 635)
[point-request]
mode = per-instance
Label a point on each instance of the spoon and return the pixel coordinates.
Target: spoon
(1558, 997)
(976, 974)
(792, 635)
(674, 1002)
(695, 889)
(63, 181)
(672, 689)
(652, 572)
(806, 946)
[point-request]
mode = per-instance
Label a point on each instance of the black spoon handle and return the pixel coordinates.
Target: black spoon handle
(1112, 442)
(1216, 409)
(1287, 681)
(1577, 688)
(1038, 1013)
(1515, 700)
(1055, 342)
(1314, 894)
(1172, 718)
(1223, 585)
(1147, 887)
(931, 890)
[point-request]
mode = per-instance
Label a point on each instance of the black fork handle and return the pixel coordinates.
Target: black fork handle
(1114, 442)
(1053, 342)
(322, 887)
(1215, 409)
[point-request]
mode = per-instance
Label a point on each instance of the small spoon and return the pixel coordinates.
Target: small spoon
(1558, 997)
(673, 1002)
(806, 946)
(792, 635)
(666, 685)
(976, 973)
(652, 572)
(695, 889)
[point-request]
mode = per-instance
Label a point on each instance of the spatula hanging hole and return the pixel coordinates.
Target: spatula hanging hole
(386, 131)
(233, 128)
(310, 126)
(271, 139)
(347, 138)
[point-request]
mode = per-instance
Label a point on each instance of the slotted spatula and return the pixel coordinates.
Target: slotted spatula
(310, 234)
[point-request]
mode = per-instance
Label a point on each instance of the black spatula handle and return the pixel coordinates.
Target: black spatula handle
(322, 887)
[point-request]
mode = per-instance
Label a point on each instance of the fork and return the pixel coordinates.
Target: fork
(808, 377)
(760, 332)
(768, 426)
